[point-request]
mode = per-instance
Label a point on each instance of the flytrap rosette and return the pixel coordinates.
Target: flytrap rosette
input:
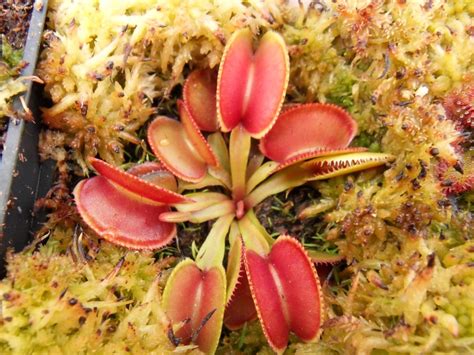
(248, 152)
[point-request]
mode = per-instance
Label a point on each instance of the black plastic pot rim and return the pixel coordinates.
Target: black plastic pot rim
(21, 174)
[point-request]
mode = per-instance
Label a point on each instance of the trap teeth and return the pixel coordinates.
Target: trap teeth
(327, 167)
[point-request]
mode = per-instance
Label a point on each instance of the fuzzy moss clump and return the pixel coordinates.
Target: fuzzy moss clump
(416, 302)
(368, 55)
(55, 302)
(408, 248)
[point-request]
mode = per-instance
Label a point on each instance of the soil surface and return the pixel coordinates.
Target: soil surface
(189, 234)
(14, 20)
(279, 214)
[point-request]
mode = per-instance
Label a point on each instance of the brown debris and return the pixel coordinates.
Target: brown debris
(14, 20)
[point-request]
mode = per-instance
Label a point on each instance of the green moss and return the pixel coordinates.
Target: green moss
(340, 93)
(10, 55)
(108, 304)
(10, 84)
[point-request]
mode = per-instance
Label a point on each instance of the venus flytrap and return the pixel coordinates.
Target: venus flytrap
(252, 152)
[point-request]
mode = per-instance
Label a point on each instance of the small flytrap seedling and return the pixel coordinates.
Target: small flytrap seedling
(250, 153)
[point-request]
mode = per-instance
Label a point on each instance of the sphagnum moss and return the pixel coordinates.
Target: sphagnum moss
(54, 302)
